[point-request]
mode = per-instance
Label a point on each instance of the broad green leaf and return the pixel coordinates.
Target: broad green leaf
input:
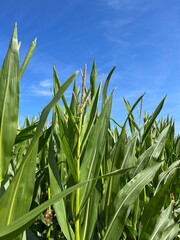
(105, 88)
(163, 221)
(112, 185)
(93, 78)
(132, 123)
(152, 209)
(161, 140)
(27, 58)
(17, 198)
(43, 139)
(74, 100)
(65, 145)
(119, 154)
(26, 133)
(152, 119)
(132, 108)
(91, 216)
(93, 156)
(9, 103)
(47, 109)
(22, 223)
(89, 119)
(129, 158)
(171, 232)
(55, 188)
(163, 177)
(152, 152)
(68, 110)
(19, 188)
(125, 197)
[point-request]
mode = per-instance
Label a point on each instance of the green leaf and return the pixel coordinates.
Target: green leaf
(93, 156)
(68, 110)
(105, 88)
(132, 123)
(55, 188)
(65, 145)
(22, 223)
(74, 100)
(152, 209)
(90, 119)
(112, 185)
(130, 150)
(20, 189)
(124, 199)
(9, 103)
(17, 198)
(163, 177)
(171, 232)
(26, 133)
(152, 119)
(91, 216)
(160, 143)
(163, 221)
(93, 78)
(153, 152)
(27, 58)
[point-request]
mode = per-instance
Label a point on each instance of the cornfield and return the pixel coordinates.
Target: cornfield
(83, 176)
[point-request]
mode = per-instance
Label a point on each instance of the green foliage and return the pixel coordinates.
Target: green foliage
(84, 176)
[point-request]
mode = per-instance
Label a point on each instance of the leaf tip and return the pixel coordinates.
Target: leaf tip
(15, 31)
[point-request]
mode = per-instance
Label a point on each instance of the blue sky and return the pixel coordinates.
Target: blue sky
(140, 37)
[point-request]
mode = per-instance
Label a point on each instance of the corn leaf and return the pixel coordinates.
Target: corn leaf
(22, 223)
(170, 232)
(19, 188)
(27, 58)
(91, 216)
(90, 119)
(152, 152)
(152, 209)
(152, 119)
(123, 201)
(55, 188)
(162, 222)
(93, 78)
(9, 103)
(93, 156)
(105, 88)
(92, 159)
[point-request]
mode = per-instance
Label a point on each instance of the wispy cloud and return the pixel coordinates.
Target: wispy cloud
(41, 92)
(117, 22)
(140, 5)
(46, 83)
(42, 89)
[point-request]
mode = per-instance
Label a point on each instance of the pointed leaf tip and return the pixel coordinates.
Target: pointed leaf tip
(15, 31)
(35, 40)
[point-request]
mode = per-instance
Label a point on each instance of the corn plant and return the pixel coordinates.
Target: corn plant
(84, 176)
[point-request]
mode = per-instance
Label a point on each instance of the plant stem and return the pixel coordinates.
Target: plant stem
(77, 220)
(48, 235)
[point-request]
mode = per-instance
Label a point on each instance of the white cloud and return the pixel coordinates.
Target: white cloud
(42, 89)
(46, 83)
(40, 92)
(117, 22)
(140, 5)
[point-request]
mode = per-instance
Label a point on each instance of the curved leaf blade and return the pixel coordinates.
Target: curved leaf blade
(124, 199)
(9, 103)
